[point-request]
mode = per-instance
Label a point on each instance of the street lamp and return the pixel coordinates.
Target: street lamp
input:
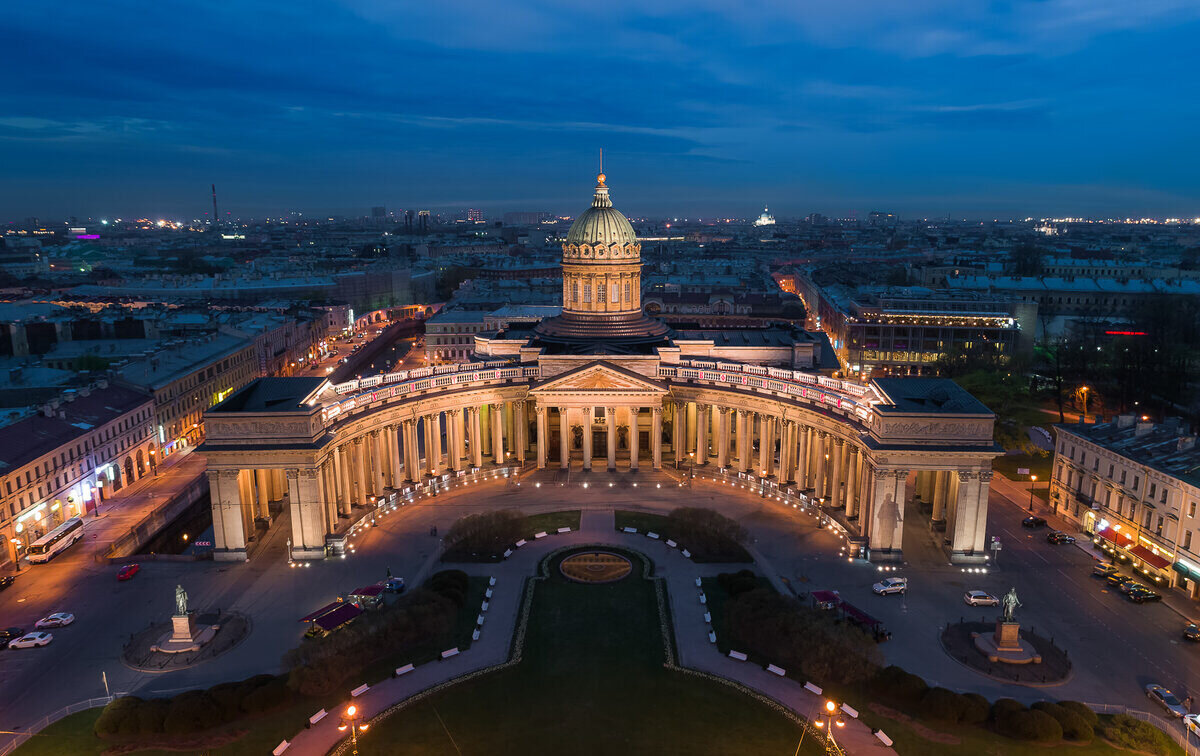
(1032, 483)
(828, 719)
(153, 463)
(18, 543)
(351, 720)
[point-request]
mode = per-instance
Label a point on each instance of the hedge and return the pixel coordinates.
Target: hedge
(1126, 732)
(1030, 725)
(1074, 726)
(192, 711)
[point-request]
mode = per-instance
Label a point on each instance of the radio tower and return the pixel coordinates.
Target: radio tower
(216, 218)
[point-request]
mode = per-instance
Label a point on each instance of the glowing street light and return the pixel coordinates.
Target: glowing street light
(351, 720)
(1032, 483)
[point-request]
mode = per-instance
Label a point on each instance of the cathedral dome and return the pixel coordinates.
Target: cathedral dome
(601, 223)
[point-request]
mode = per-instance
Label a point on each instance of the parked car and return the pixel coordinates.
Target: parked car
(1128, 585)
(1115, 578)
(8, 634)
(1192, 721)
(58, 619)
(6, 581)
(891, 585)
(1058, 537)
(1105, 569)
(1166, 699)
(128, 571)
(394, 585)
(29, 640)
(1033, 522)
(1141, 595)
(1191, 631)
(980, 598)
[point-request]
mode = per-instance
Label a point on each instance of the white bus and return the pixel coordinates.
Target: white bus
(45, 548)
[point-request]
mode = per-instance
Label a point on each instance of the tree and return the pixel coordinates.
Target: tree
(1026, 260)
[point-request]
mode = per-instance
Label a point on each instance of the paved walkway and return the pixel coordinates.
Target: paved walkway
(694, 649)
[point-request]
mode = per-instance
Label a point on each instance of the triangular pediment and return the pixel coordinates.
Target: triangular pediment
(599, 378)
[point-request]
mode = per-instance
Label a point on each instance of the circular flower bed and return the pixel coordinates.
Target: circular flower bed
(595, 567)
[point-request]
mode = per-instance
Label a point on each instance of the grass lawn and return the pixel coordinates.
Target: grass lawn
(550, 522)
(74, 734)
(591, 681)
(643, 521)
(1007, 464)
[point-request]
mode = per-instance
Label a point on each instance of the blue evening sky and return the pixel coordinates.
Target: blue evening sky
(924, 107)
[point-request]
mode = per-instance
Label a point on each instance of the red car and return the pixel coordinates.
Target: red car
(128, 571)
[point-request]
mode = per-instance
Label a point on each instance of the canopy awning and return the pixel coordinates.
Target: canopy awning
(1187, 569)
(322, 611)
(338, 617)
(1149, 557)
(1115, 537)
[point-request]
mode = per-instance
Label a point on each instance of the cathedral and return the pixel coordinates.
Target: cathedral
(605, 387)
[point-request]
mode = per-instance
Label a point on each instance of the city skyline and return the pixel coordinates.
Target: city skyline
(1023, 110)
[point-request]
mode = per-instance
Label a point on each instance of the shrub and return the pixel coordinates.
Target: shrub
(1030, 725)
(1126, 732)
(737, 583)
(975, 709)
(190, 712)
(708, 534)
(1005, 706)
(1083, 710)
(152, 716)
(900, 686)
(486, 533)
(942, 705)
(270, 695)
(1074, 727)
(118, 718)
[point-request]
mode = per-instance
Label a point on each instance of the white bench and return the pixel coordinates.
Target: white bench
(475, 635)
(540, 535)
(883, 738)
(451, 652)
(404, 670)
(630, 530)
(737, 655)
(708, 618)
(488, 593)
(359, 690)
(697, 582)
(652, 535)
(283, 746)
(318, 717)
(521, 543)
(703, 599)
(491, 582)
(814, 689)
(686, 553)
(564, 530)
(507, 553)
(776, 670)
(671, 543)
(712, 637)
(850, 710)
(479, 620)
(483, 607)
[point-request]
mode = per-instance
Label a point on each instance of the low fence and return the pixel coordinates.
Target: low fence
(149, 526)
(49, 719)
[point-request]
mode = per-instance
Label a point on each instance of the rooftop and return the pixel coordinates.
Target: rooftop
(271, 395)
(1166, 447)
(170, 364)
(928, 395)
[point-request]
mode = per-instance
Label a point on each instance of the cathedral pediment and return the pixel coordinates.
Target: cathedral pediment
(598, 378)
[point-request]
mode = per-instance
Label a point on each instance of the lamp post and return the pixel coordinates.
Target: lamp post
(828, 719)
(154, 463)
(100, 493)
(1032, 483)
(351, 720)
(18, 543)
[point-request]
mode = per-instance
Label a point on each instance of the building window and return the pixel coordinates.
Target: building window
(628, 298)
(1160, 525)
(1110, 472)
(1137, 479)
(587, 294)
(1187, 540)
(1153, 489)
(1191, 507)
(1122, 477)
(1146, 519)
(601, 289)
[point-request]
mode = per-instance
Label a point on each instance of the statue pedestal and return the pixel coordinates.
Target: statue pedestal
(184, 637)
(1005, 645)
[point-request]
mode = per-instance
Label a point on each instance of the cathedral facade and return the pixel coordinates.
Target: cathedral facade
(604, 387)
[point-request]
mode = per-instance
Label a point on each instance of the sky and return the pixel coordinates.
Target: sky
(923, 107)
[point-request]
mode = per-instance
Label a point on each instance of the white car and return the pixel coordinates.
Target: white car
(1166, 699)
(980, 598)
(58, 619)
(891, 585)
(29, 640)
(1193, 723)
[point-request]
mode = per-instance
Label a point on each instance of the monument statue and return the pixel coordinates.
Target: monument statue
(1010, 604)
(180, 601)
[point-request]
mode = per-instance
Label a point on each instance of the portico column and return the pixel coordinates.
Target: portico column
(362, 470)
(498, 433)
(939, 495)
(635, 438)
(454, 422)
(521, 423)
(852, 473)
(308, 540)
(722, 437)
(412, 464)
(802, 457)
(542, 437)
(348, 464)
(610, 424)
(819, 459)
(329, 495)
(743, 443)
(702, 413)
(564, 438)
(785, 452)
(229, 536)
(677, 443)
(656, 436)
(970, 514)
(764, 434)
(835, 487)
(433, 444)
(339, 488)
(262, 490)
(587, 439)
(376, 463)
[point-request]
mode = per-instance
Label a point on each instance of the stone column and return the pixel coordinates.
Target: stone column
(887, 514)
(743, 442)
(262, 490)
(308, 537)
(564, 438)
(835, 486)
(939, 495)
(635, 438)
(702, 413)
(763, 435)
(521, 423)
(412, 463)
(498, 433)
(852, 473)
(348, 466)
(802, 456)
(966, 528)
(329, 495)
(361, 471)
(689, 428)
(786, 452)
(433, 444)
(229, 537)
(819, 464)
(376, 463)
(656, 437)
(543, 437)
(722, 437)
(587, 439)
(610, 436)
(677, 428)
(455, 418)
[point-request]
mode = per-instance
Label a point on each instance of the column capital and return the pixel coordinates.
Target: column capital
(700, 407)
(964, 475)
(985, 476)
(634, 410)
(227, 475)
(453, 412)
(657, 412)
(880, 474)
(540, 410)
(610, 411)
(519, 404)
(307, 473)
(900, 474)
(839, 441)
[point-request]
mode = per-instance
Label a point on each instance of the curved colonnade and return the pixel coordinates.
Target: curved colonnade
(327, 450)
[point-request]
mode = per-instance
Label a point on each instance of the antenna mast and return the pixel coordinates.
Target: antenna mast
(216, 218)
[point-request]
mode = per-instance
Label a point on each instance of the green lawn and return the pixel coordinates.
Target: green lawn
(74, 735)
(1007, 465)
(550, 522)
(591, 682)
(716, 597)
(643, 521)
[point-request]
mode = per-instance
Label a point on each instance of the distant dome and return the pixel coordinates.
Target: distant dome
(601, 223)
